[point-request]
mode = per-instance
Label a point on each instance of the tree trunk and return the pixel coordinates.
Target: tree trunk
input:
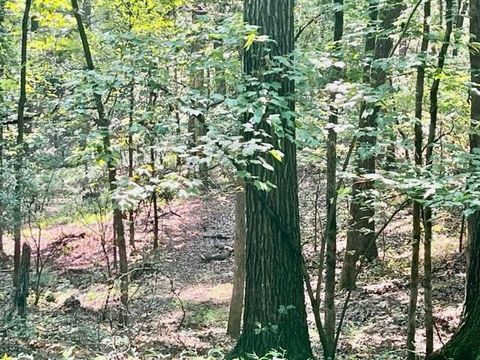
(2, 72)
(104, 124)
(156, 229)
(428, 213)
(21, 291)
(17, 208)
(464, 343)
(331, 204)
(358, 219)
(417, 207)
(275, 314)
(361, 234)
(131, 218)
(2, 205)
(196, 124)
(462, 7)
(236, 303)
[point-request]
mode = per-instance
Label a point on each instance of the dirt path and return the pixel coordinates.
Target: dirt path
(179, 303)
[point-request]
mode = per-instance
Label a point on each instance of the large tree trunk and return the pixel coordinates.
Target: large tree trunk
(464, 345)
(275, 314)
(104, 124)
(236, 303)
(361, 233)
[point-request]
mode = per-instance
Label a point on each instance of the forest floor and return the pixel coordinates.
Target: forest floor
(179, 304)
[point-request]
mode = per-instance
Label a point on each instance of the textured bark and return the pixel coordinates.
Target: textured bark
(236, 303)
(2, 72)
(275, 314)
(331, 205)
(104, 124)
(428, 213)
(464, 344)
(361, 233)
(462, 8)
(131, 150)
(196, 123)
(417, 207)
(17, 208)
(359, 218)
(156, 227)
(22, 290)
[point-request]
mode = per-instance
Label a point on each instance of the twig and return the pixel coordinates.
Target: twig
(440, 137)
(359, 268)
(438, 332)
(304, 27)
(405, 28)
(390, 219)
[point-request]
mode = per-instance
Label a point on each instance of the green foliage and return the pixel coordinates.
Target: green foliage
(159, 67)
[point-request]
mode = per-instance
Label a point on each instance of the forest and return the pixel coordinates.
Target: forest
(243, 179)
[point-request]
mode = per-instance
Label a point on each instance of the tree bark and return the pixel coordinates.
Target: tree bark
(359, 219)
(331, 205)
(417, 207)
(236, 303)
(104, 125)
(2, 73)
(22, 290)
(131, 218)
(361, 233)
(156, 229)
(17, 208)
(464, 343)
(275, 314)
(428, 212)
(196, 124)
(462, 8)
(2, 225)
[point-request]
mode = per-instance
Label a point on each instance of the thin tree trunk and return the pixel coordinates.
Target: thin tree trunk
(460, 19)
(115, 248)
(2, 73)
(2, 225)
(22, 290)
(196, 123)
(360, 218)
(131, 218)
(361, 233)
(17, 209)
(275, 314)
(104, 124)
(464, 343)
(428, 213)
(236, 303)
(417, 207)
(156, 229)
(331, 226)
(440, 19)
